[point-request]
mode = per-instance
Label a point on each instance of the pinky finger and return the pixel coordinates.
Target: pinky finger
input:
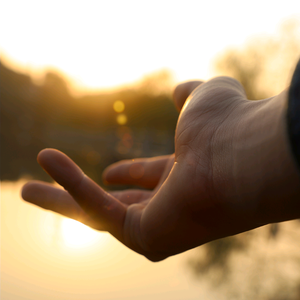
(57, 200)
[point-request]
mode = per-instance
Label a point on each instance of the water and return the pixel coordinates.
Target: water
(46, 256)
(39, 262)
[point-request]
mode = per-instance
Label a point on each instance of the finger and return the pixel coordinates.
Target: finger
(145, 172)
(182, 92)
(99, 205)
(131, 196)
(55, 199)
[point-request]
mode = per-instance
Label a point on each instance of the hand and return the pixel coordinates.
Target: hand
(227, 176)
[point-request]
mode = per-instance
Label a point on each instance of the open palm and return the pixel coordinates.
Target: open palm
(188, 203)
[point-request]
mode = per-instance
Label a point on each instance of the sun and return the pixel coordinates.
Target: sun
(78, 235)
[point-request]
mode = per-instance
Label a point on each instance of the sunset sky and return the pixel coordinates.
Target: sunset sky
(103, 44)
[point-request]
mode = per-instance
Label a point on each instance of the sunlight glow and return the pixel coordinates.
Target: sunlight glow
(117, 42)
(76, 234)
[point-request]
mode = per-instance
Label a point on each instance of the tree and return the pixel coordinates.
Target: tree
(265, 64)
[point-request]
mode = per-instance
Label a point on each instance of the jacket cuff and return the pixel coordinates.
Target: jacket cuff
(293, 115)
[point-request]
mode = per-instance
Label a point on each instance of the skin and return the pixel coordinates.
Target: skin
(232, 171)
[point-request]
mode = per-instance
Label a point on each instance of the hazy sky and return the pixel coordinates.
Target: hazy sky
(108, 43)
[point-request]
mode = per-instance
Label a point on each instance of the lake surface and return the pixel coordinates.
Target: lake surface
(39, 261)
(46, 256)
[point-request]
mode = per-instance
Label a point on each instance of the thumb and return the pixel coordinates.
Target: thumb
(182, 92)
(103, 208)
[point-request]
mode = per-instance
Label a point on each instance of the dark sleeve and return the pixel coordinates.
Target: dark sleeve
(293, 114)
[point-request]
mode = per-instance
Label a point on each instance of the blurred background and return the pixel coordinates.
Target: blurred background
(94, 79)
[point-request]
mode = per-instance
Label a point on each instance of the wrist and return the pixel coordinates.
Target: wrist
(275, 177)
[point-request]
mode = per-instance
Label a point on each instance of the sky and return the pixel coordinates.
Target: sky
(104, 44)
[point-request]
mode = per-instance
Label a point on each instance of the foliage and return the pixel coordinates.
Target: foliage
(34, 117)
(265, 64)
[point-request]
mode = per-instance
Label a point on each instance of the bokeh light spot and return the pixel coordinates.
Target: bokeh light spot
(119, 106)
(121, 119)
